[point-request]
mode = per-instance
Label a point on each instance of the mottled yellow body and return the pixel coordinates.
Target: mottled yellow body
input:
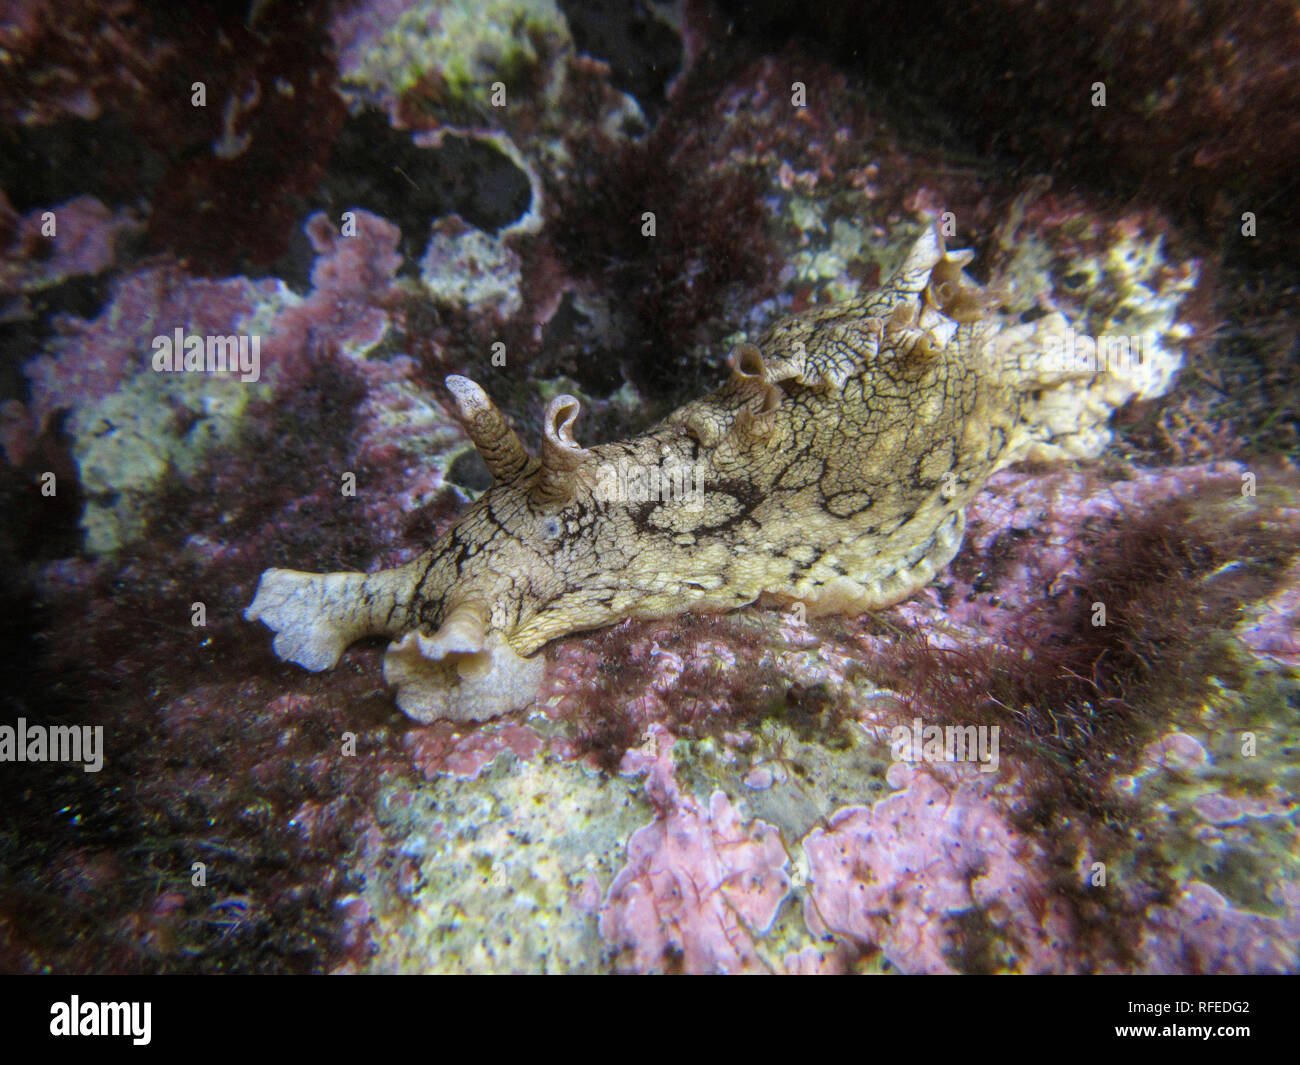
(832, 469)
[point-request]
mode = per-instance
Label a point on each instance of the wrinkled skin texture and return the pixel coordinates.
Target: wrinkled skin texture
(832, 469)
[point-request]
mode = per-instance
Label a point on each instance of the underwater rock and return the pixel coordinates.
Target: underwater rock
(453, 50)
(698, 883)
(1198, 103)
(84, 234)
(902, 874)
(133, 426)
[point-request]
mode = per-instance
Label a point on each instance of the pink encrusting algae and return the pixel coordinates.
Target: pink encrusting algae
(903, 874)
(699, 882)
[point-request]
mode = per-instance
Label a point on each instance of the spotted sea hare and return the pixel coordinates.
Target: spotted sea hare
(832, 469)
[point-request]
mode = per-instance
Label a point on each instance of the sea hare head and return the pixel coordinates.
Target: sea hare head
(462, 673)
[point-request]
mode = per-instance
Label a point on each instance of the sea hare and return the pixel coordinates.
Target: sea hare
(832, 469)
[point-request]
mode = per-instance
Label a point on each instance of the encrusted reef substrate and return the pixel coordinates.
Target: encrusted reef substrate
(754, 815)
(700, 793)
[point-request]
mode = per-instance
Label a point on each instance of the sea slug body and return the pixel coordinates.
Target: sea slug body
(832, 469)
